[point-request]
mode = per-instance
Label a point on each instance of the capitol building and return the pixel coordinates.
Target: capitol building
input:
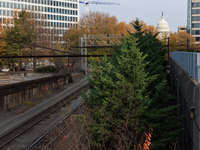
(163, 28)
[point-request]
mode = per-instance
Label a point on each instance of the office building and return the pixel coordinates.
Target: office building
(182, 29)
(193, 19)
(59, 15)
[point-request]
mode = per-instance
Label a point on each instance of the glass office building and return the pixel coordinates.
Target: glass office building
(193, 19)
(59, 15)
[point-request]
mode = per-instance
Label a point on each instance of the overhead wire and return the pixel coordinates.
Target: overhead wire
(36, 45)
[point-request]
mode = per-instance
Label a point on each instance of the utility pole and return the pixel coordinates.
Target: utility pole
(168, 50)
(68, 47)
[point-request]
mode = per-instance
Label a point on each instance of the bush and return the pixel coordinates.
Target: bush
(46, 69)
(70, 80)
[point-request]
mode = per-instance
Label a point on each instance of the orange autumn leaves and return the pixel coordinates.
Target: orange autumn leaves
(3, 44)
(147, 141)
(96, 23)
(102, 23)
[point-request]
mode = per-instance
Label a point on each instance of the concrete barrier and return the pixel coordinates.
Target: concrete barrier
(17, 93)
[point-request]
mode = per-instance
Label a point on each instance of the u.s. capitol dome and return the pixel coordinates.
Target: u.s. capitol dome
(163, 28)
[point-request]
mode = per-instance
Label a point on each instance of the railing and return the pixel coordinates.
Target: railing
(189, 61)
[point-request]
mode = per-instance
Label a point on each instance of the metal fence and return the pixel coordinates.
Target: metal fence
(189, 61)
(186, 91)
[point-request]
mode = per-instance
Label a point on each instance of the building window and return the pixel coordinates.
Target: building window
(197, 39)
(195, 11)
(196, 4)
(7, 4)
(195, 32)
(4, 5)
(195, 18)
(195, 25)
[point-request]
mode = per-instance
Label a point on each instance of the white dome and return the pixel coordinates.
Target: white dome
(163, 27)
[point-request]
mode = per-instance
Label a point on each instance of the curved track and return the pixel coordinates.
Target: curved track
(30, 123)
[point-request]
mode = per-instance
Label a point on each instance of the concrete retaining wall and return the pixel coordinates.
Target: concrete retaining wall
(32, 90)
(186, 91)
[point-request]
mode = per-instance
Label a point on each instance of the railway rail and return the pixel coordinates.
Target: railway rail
(13, 134)
(51, 135)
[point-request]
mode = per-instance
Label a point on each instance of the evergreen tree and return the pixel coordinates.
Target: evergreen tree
(160, 111)
(117, 99)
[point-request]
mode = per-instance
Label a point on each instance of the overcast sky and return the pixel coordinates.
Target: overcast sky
(150, 11)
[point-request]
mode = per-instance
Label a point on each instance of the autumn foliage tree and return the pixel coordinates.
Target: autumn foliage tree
(96, 23)
(24, 31)
(182, 38)
(3, 45)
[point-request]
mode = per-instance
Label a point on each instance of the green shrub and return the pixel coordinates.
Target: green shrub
(70, 80)
(46, 69)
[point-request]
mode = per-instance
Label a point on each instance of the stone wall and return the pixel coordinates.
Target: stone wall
(186, 91)
(14, 94)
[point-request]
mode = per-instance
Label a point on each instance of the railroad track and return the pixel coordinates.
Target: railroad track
(57, 130)
(51, 135)
(22, 128)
